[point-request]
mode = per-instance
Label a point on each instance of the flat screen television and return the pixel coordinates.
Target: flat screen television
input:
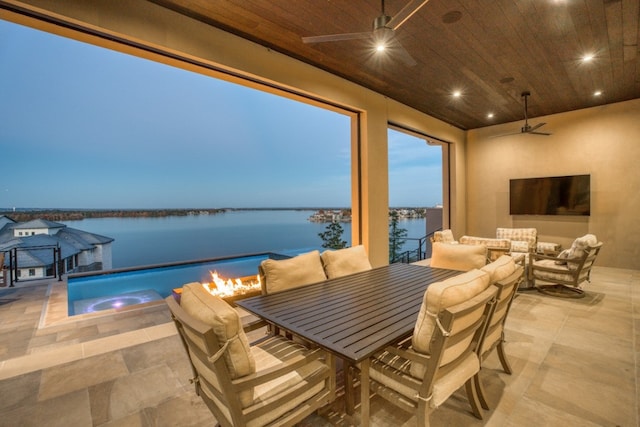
(554, 195)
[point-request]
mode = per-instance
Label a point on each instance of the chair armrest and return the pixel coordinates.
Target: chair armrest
(284, 368)
(548, 248)
(409, 354)
(253, 325)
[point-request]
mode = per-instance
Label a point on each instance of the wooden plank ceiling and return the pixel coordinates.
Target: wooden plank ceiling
(489, 50)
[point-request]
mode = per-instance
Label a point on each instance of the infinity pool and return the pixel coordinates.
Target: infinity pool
(96, 291)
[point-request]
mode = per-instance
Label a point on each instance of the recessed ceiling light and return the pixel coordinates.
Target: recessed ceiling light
(457, 94)
(588, 57)
(597, 93)
(489, 115)
(380, 47)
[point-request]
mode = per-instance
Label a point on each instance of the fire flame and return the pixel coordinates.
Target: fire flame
(230, 287)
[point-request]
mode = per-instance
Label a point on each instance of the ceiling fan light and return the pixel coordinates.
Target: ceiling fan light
(588, 57)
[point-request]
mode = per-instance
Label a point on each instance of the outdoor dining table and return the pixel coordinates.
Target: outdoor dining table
(352, 316)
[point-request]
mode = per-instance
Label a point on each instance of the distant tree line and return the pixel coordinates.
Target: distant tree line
(73, 215)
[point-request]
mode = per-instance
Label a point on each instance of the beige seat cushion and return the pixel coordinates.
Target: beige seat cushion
(393, 371)
(579, 247)
(441, 295)
(345, 261)
(501, 268)
(227, 326)
(444, 236)
(300, 270)
(458, 257)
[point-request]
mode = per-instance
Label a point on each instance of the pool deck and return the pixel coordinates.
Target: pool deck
(575, 363)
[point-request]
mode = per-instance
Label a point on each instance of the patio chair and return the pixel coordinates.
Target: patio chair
(280, 275)
(422, 372)
(564, 275)
(274, 382)
(506, 275)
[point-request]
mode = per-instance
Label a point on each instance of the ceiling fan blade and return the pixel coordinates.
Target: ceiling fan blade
(399, 50)
(405, 13)
(336, 37)
(532, 128)
(540, 133)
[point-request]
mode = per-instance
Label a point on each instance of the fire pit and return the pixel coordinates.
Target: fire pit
(229, 290)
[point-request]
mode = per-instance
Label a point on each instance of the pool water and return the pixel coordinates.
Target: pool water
(106, 290)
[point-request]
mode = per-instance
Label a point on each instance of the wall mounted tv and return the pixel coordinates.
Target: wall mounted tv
(554, 195)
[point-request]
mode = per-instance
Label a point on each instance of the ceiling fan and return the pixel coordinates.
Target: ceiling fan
(527, 128)
(384, 27)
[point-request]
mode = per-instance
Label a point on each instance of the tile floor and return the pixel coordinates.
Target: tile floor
(575, 363)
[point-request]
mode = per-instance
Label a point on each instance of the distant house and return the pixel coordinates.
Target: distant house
(39, 248)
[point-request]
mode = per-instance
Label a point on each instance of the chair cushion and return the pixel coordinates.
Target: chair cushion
(271, 353)
(529, 235)
(519, 246)
(500, 269)
(486, 241)
(345, 261)
(441, 295)
(458, 257)
(300, 270)
(579, 247)
(561, 272)
(444, 236)
(226, 325)
(393, 372)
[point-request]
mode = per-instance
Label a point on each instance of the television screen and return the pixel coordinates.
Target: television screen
(555, 195)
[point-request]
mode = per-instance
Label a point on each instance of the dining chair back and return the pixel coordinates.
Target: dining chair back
(421, 373)
(273, 382)
(494, 335)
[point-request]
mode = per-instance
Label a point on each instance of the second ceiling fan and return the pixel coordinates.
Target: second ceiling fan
(384, 27)
(527, 128)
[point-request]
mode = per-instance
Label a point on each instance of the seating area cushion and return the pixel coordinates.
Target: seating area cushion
(394, 368)
(345, 261)
(226, 325)
(519, 246)
(486, 241)
(300, 270)
(458, 257)
(444, 236)
(441, 295)
(561, 272)
(579, 247)
(528, 235)
(271, 353)
(500, 269)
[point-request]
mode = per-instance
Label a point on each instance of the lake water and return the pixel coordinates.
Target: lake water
(146, 241)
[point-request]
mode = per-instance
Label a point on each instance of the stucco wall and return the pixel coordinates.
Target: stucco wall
(601, 141)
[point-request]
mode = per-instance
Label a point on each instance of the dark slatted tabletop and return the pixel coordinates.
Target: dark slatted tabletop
(352, 316)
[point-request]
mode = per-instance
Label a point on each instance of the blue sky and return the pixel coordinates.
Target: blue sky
(86, 127)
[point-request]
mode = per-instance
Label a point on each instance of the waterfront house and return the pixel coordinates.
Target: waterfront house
(39, 248)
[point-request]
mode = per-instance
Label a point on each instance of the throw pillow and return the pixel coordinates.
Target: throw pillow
(345, 261)
(279, 275)
(458, 257)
